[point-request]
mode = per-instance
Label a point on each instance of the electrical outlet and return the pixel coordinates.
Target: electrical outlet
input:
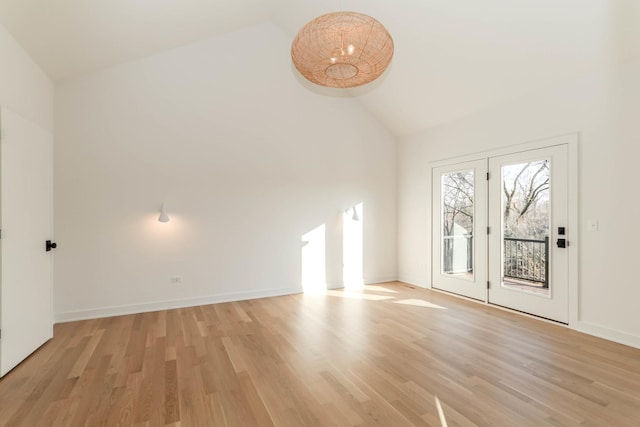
(176, 280)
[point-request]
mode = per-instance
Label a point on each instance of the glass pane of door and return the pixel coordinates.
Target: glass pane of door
(457, 223)
(525, 226)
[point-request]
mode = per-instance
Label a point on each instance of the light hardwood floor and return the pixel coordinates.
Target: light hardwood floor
(375, 357)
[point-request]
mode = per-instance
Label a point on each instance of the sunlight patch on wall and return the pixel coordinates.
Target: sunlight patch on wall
(352, 247)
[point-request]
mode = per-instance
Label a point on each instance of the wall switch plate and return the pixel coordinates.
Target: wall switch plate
(592, 225)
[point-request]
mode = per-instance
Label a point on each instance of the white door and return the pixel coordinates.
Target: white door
(459, 253)
(529, 233)
(26, 213)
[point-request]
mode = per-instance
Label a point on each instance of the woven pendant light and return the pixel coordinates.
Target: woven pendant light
(342, 49)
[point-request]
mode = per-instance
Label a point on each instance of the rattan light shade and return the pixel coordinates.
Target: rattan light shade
(342, 49)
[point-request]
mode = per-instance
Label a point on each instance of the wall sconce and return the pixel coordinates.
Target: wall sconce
(355, 216)
(164, 217)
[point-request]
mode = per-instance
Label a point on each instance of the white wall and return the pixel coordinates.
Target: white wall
(247, 160)
(604, 108)
(24, 88)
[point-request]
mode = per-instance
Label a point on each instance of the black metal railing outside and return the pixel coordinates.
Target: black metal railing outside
(524, 259)
(527, 259)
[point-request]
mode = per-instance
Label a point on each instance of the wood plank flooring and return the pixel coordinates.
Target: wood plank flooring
(377, 357)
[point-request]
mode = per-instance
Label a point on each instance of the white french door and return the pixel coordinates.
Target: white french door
(26, 210)
(459, 222)
(528, 246)
(502, 236)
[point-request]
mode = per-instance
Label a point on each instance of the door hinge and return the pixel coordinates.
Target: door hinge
(488, 284)
(487, 176)
(488, 230)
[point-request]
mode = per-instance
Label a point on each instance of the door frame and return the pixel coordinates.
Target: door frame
(571, 140)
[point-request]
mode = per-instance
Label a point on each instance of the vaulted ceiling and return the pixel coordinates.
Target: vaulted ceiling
(453, 57)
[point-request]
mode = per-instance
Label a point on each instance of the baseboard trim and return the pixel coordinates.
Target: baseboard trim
(120, 310)
(414, 283)
(608, 334)
(380, 280)
(337, 286)
(96, 313)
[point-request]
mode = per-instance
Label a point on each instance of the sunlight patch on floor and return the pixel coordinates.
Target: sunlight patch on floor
(358, 295)
(376, 288)
(419, 303)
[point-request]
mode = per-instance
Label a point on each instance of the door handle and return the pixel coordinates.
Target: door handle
(50, 245)
(562, 243)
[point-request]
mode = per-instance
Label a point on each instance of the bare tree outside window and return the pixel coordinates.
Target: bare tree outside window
(525, 213)
(457, 221)
(526, 221)
(526, 200)
(457, 198)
